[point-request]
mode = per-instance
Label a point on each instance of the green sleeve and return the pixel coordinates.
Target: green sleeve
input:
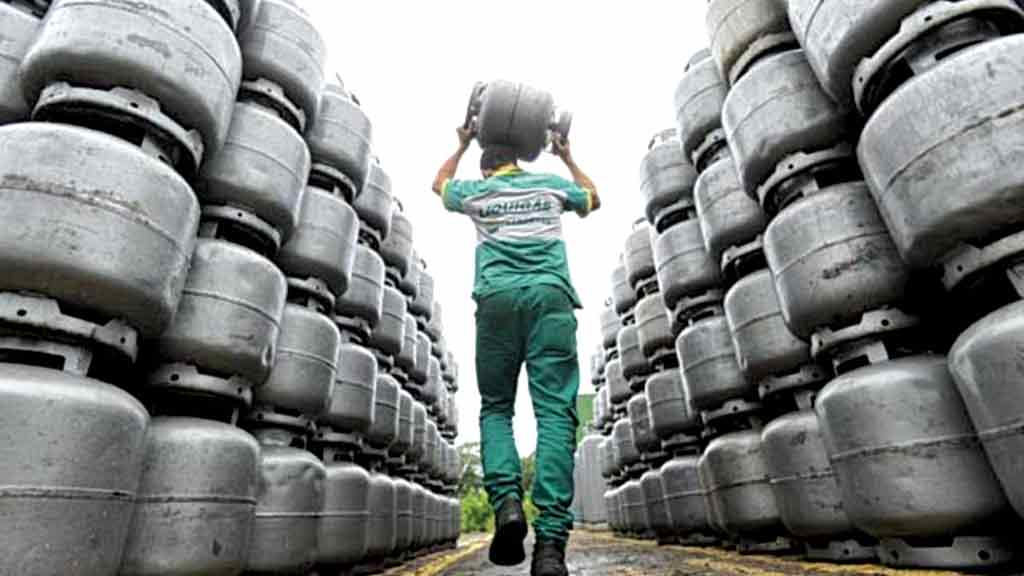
(455, 192)
(577, 199)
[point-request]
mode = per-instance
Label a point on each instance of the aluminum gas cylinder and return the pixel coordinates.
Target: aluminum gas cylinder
(342, 135)
(634, 363)
(640, 418)
(423, 305)
(382, 529)
(670, 411)
(618, 386)
(20, 26)
(626, 451)
(741, 31)
(765, 346)
(902, 423)
(623, 296)
(728, 215)
(229, 318)
(638, 518)
(685, 268)
(711, 374)
(610, 326)
(323, 245)
(389, 335)
(837, 36)
(698, 104)
(397, 247)
(654, 327)
(985, 373)
(72, 453)
(283, 46)
(654, 496)
(666, 175)
(737, 481)
(95, 223)
(305, 367)
(405, 425)
(776, 110)
(364, 298)
(805, 487)
(684, 496)
(289, 498)
(352, 401)
(345, 517)
(403, 516)
(197, 500)
(833, 259)
(639, 255)
(939, 154)
(517, 116)
(262, 168)
(384, 428)
(374, 205)
(194, 73)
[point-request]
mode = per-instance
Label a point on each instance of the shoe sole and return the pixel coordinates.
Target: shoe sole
(507, 546)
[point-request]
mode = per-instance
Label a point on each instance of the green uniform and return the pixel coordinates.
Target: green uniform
(525, 314)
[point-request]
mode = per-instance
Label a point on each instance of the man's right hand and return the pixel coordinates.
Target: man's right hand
(465, 136)
(562, 148)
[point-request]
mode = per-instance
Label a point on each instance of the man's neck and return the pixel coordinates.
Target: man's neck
(506, 169)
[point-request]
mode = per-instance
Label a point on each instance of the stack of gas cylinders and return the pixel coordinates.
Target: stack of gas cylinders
(835, 234)
(219, 350)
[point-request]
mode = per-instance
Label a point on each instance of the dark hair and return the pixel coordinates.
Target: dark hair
(495, 157)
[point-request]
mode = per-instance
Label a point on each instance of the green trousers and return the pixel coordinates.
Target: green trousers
(535, 325)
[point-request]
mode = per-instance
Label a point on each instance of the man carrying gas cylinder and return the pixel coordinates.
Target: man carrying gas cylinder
(525, 313)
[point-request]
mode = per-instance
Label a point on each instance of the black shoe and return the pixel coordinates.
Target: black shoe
(509, 532)
(548, 559)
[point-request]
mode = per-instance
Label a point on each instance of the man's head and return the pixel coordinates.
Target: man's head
(495, 158)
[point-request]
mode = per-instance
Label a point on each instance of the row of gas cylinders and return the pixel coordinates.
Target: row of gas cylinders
(220, 351)
(811, 338)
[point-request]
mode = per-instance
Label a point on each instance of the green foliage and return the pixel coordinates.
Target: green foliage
(476, 512)
(471, 479)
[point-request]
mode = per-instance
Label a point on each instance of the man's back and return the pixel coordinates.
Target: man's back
(519, 227)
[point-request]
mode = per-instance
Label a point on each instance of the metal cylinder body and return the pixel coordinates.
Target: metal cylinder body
(364, 298)
(305, 366)
(217, 306)
(939, 154)
(685, 268)
(776, 110)
(354, 393)
(765, 346)
(734, 466)
(72, 451)
(728, 215)
(323, 244)
(342, 135)
(345, 517)
(197, 500)
(698, 103)
(95, 223)
(902, 423)
(833, 260)
(262, 167)
(289, 499)
(284, 46)
(711, 374)
(194, 73)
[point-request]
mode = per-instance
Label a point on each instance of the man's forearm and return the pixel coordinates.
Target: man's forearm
(583, 181)
(448, 170)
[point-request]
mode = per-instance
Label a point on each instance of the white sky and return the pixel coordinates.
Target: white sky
(413, 64)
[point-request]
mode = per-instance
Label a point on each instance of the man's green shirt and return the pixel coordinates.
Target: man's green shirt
(518, 217)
